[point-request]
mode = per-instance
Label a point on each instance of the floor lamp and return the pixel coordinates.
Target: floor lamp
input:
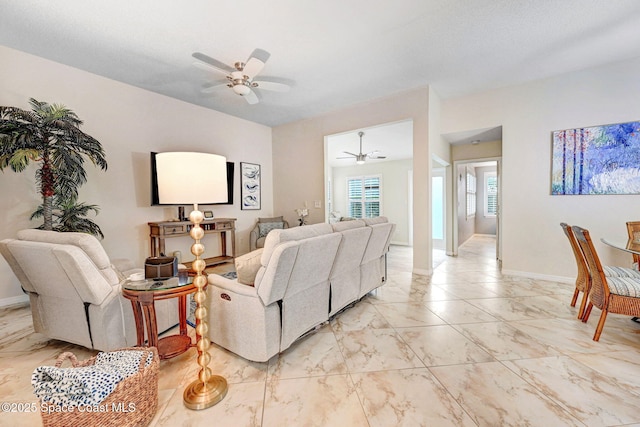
(192, 178)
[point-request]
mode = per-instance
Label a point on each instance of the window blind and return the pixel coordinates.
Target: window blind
(364, 196)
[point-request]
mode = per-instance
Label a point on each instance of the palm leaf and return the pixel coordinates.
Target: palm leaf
(50, 135)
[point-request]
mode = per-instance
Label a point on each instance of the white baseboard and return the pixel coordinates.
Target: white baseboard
(529, 275)
(5, 302)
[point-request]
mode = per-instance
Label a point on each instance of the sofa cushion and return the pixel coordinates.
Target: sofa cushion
(247, 267)
(277, 237)
(348, 225)
(375, 220)
(265, 227)
(88, 243)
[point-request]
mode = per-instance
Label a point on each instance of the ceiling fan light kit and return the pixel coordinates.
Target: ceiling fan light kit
(240, 76)
(240, 89)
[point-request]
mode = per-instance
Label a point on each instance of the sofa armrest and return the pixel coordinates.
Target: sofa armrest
(232, 285)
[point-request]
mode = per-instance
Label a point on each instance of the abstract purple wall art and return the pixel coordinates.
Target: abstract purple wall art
(596, 160)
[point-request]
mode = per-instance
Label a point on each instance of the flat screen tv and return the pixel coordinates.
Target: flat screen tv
(154, 184)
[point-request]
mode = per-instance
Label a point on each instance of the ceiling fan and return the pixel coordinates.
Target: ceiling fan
(360, 158)
(241, 76)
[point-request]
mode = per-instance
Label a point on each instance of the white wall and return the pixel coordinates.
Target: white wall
(533, 243)
(483, 150)
(129, 122)
(395, 189)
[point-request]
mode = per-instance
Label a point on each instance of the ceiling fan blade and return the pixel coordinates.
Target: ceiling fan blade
(276, 87)
(208, 68)
(213, 86)
(255, 63)
(349, 157)
(377, 157)
(351, 154)
(251, 98)
(252, 67)
(209, 63)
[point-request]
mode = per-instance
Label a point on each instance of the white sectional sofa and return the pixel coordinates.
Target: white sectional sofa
(75, 289)
(305, 275)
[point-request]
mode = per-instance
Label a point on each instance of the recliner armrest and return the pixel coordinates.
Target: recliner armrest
(232, 285)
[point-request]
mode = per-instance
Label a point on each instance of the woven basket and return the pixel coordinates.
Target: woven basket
(133, 402)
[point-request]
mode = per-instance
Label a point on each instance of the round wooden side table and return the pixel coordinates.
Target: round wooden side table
(142, 295)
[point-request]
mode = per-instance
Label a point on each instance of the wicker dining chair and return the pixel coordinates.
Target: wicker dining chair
(618, 295)
(583, 281)
(633, 229)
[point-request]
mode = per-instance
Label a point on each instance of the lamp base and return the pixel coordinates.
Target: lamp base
(199, 396)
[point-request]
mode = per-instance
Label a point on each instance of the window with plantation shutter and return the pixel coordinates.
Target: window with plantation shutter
(471, 194)
(364, 196)
(491, 192)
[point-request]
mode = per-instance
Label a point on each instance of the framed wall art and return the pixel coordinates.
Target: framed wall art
(596, 160)
(250, 190)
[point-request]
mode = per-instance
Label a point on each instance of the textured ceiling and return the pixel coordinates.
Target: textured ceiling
(334, 52)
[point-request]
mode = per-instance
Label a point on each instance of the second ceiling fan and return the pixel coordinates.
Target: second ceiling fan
(241, 76)
(362, 157)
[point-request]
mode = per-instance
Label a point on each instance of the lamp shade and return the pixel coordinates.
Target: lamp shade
(191, 178)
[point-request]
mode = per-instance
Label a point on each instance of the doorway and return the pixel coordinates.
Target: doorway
(383, 153)
(477, 189)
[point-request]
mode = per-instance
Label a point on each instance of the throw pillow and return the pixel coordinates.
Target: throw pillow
(247, 267)
(266, 227)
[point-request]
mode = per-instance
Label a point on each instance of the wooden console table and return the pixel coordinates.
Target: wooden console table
(159, 231)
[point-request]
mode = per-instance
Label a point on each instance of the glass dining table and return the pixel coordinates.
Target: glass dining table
(631, 246)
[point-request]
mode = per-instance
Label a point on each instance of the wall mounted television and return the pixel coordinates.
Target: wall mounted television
(154, 184)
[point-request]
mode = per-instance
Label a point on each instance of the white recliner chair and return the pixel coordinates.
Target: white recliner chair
(74, 289)
(290, 295)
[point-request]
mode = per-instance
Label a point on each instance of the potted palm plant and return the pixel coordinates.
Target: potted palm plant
(50, 136)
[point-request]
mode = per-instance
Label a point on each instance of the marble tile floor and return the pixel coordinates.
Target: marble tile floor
(464, 347)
